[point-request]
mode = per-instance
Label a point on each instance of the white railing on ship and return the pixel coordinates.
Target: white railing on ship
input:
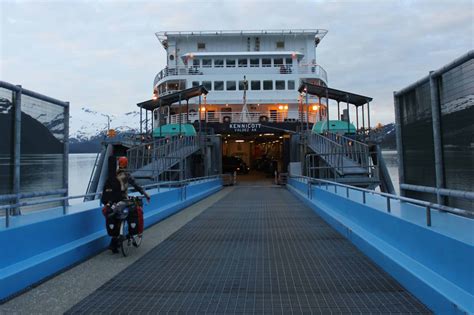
(315, 70)
(238, 117)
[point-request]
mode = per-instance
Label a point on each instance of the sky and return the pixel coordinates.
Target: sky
(104, 54)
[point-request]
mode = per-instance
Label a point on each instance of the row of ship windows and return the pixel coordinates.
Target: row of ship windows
(242, 62)
(255, 85)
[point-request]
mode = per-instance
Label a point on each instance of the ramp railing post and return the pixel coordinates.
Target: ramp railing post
(66, 158)
(428, 216)
(16, 149)
(388, 204)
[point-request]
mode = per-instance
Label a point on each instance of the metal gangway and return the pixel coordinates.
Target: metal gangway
(151, 159)
(345, 159)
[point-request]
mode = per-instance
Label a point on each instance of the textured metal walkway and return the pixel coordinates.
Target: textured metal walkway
(258, 250)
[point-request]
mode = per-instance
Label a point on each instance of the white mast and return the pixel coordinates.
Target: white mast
(245, 112)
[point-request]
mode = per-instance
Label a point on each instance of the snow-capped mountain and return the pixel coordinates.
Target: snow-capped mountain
(86, 124)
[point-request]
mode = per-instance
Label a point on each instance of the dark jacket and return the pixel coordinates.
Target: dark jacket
(125, 178)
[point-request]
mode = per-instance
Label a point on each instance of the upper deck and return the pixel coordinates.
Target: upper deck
(210, 57)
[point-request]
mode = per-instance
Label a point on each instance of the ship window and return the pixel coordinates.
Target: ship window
(255, 85)
(201, 45)
(207, 63)
(230, 85)
(279, 85)
(268, 85)
(196, 62)
(242, 62)
(266, 62)
(255, 62)
(280, 44)
(278, 62)
(218, 63)
(242, 85)
(291, 84)
(289, 61)
(195, 83)
(218, 85)
(230, 63)
(171, 57)
(207, 85)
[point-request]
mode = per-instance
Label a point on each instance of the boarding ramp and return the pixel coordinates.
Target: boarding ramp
(148, 161)
(342, 159)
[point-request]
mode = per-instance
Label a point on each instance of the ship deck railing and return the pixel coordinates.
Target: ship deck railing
(239, 117)
(315, 70)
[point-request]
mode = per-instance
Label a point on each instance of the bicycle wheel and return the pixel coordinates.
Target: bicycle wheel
(125, 241)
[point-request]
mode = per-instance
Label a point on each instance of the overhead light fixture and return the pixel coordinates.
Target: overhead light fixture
(203, 109)
(268, 134)
(239, 141)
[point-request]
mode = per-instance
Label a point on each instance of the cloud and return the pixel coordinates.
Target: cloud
(105, 55)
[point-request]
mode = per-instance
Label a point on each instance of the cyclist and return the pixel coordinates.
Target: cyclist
(116, 190)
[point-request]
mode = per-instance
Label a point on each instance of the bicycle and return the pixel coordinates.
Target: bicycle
(121, 211)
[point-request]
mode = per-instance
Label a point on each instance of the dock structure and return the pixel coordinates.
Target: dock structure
(258, 250)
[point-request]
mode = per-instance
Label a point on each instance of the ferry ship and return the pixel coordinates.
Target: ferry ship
(252, 78)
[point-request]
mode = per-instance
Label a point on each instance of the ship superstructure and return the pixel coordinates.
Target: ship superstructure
(252, 76)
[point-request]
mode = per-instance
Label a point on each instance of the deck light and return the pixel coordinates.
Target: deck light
(280, 107)
(315, 107)
(239, 141)
(203, 109)
(285, 107)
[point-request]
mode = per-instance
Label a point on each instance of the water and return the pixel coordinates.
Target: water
(391, 161)
(80, 168)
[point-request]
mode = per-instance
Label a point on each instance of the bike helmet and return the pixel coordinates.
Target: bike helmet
(123, 162)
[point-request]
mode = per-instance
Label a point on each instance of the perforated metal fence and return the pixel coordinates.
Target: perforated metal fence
(34, 130)
(435, 134)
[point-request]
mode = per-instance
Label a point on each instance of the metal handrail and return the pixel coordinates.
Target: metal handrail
(337, 147)
(146, 187)
(238, 117)
(427, 205)
(163, 150)
(454, 193)
(275, 69)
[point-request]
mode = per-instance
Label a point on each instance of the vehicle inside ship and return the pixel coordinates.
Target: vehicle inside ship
(255, 157)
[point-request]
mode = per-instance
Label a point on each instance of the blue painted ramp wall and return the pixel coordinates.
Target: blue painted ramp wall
(39, 248)
(435, 263)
